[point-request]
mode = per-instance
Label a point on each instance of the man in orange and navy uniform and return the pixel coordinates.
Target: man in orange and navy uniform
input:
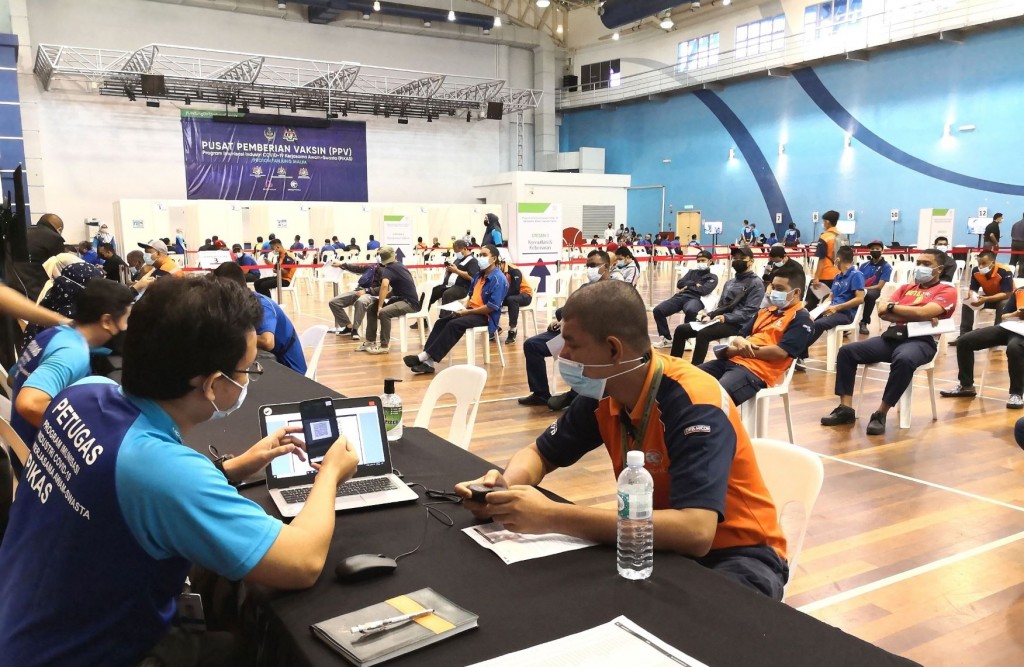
(769, 343)
(710, 501)
(992, 284)
(825, 270)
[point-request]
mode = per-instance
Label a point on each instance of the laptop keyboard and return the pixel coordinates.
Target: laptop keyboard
(354, 487)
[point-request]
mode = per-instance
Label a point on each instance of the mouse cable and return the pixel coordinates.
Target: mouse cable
(433, 511)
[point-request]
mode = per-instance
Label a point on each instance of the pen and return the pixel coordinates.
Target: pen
(385, 623)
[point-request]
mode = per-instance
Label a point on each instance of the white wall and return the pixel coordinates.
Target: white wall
(94, 151)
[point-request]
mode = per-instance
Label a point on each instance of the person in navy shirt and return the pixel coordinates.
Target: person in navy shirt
(877, 272)
(791, 238)
(59, 356)
(243, 258)
(847, 295)
(113, 508)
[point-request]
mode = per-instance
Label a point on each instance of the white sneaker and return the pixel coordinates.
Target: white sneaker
(663, 343)
(378, 349)
(366, 346)
(1015, 402)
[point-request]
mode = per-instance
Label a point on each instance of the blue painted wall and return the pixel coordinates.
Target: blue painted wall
(902, 97)
(12, 147)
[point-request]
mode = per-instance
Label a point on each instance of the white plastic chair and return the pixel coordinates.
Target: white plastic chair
(470, 338)
(531, 309)
(793, 477)
(422, 317)
(465, 383)
(10, 439)
(834, 338)
(313, 337)
(906, 400)
(754, 412)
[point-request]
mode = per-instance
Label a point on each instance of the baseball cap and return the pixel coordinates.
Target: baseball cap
(386, 253)
(777, 250)
(155, 244)
(743, 250)
(876, 242)
(706, 254)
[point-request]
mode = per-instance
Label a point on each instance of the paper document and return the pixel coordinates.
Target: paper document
(972, 302)
(617, 642)
(697, 326)
(915, 329)
(331, 274)
(514, 547)
(1014, 326)
(821, 290)
(816, 313)
(454, 306)
(555, 345)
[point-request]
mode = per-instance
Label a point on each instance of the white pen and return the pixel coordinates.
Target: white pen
(385, 623)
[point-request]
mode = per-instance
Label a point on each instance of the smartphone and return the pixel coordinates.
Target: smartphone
(319, 426)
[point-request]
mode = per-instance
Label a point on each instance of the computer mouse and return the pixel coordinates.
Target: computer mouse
(364, 566)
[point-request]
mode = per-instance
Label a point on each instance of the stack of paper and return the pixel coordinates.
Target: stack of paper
(514, 547)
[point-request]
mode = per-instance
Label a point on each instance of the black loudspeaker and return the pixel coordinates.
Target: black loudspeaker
(495, 110)
(570, 81)
(153, 85)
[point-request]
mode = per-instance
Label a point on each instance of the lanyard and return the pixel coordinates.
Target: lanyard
(627, 431)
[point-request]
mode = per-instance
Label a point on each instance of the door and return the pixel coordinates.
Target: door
(687, 224)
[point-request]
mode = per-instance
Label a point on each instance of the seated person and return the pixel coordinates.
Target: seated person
(877, 272)
(351, 247)
(710, 501)
(991, 286)
(70, 276)
(791, 238)
(361, 298)
(88, 253)
(111, 262)
(846, 296)
(989, 337)
(144, 507)
(768, 344)
(626, 268)
(397, 296)
(777, 259)
(372, 244)
(207, 246)
(536, 349)
(460, 274)
(696, 283)
(519, 294)
(741, 299)
(285, 262)
(296, 244)
(244, 259)
(927, 299)
(327, 247)
(949, 268)
(155, 255)
(59, 356)
(487, 293)
(218, 243)
(275, 333)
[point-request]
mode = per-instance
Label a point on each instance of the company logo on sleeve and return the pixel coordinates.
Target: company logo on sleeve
(697, 429)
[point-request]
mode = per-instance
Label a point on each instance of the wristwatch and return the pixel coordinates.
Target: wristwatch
(889, 307)
(218, 462)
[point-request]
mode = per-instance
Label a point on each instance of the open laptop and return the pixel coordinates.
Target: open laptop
(361, 420)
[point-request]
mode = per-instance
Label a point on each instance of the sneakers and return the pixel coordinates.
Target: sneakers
(355, 335)
(422, 368)
(801, 365)
(663, 343)
(411, 360)
(414, 325)
(959, 391)
(953, 343)
(335, 330)
(344, 331)
(841, 415)
(863, 329)
(379, 349)
(533, 399)
(876, 425)
(511, 337)
(1015, 402)
(366, 346)
(561, 401)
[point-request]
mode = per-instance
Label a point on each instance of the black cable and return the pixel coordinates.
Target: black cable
(444, 498)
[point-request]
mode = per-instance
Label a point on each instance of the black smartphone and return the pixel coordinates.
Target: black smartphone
(480, 492)
(319, 426)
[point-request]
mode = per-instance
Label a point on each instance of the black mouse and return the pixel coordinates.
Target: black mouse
(364, 566)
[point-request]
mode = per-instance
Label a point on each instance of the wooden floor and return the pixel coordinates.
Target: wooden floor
(916, 543)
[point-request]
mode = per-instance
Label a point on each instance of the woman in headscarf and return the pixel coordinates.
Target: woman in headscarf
(69, 276)
(492, 230)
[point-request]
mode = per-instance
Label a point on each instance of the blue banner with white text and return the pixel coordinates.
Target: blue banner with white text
(225, 160)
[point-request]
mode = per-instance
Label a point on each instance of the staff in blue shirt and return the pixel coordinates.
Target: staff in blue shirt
(245, 259)
(847, 295)
(791, 238)
(113, 508)
(59, 356)
(877, 272)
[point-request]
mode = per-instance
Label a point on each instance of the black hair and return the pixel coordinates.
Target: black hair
(844, 254)
(216, 238)
(371, 237)
(273, 237)
(459, 244)
(997, 215)
(590, 307)
(794, 275)
(777, 251)
(987, 253)
(792, 225)
(602, 256)
(493, 249)
(259, 239)
(106, 246)
(298, 238)
(182, 329)
(940, 238)
(275, 242)
(831, 216)
(623, 251)
(230, 271)
(940, 257)
(99, 298)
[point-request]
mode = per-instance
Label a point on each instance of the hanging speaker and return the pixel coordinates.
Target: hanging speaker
(495, 110)
(153, 85)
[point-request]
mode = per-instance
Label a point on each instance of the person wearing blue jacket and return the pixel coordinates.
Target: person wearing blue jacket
(486, 295)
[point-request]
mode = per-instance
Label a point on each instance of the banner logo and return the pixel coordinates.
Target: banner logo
(290, 135)
(303, 172)
(282, 172)
(269, 134)
(257, 171)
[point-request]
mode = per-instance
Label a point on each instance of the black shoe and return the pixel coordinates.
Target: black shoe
(560, 402)
(533, 399)
(422, 368)
(863, 329)
(801, 366)
(344, 331)
(411, 360)
(876, 426)
(954, 342)
(841, 415)
(511, 337)
(414, 325)
(959, 392)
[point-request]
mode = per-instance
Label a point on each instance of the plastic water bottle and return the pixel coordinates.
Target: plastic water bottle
(635, 543)
(392, 404)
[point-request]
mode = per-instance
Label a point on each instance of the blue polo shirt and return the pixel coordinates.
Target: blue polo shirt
(875, 273)
(245, 259)
(287, 348)
(54, 360)
(844, 285)
(110, 514)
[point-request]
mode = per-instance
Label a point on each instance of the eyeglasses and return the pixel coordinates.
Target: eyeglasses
(254, 372)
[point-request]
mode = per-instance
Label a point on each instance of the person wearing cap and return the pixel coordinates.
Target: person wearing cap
(741, 299)
(244, 259)
(877, 272)
(825, 270)
(156, 256)
(698, 282)
(285, 262)
(397, 297)
(777, 259)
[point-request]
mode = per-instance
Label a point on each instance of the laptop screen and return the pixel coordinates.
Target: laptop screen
(360, 424)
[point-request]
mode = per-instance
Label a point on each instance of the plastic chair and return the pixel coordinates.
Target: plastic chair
(906, 400)
(470, 338)
(422, 316)
(313, 337)
(465, 383)
(12, 442)
(834, 338)
(5, 388)
(754, 412)
(793, 477)
(531, 310)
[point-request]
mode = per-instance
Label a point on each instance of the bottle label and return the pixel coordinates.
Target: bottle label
(392, 418)
(635, 506)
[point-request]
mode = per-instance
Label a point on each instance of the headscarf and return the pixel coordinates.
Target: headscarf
(63, 295)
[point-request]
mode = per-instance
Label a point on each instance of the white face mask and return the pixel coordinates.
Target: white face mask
(221, 414)
(147, 257)
(923, 274)
(943, 248)
(702, 266)
(593, 273)
(984, 270)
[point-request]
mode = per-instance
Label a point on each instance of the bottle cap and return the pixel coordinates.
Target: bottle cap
(389, 385)
(635, 458)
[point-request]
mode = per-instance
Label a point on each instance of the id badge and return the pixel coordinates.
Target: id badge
(190, 613)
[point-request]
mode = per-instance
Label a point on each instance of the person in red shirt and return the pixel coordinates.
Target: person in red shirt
(927, 299)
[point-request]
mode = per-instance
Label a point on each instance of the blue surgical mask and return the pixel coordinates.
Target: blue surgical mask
(778, 299)
(922, 274)
(572, 373)
(221, 414)
(147, 257)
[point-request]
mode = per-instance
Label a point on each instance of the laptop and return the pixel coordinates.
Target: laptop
(361, 420)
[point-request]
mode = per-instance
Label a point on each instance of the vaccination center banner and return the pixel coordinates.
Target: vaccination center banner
(225, 160)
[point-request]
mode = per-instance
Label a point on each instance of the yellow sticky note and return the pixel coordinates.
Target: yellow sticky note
(406, 605)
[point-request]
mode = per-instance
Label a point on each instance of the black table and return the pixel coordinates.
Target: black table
(709, 617)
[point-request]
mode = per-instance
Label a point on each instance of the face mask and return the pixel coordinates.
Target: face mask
(621, 264)
(922, 274)
(779, 265)
(876, 255)
(943, 248)
(572, 373)
(984, 270)
(483, 263)
(148, 258)
(593, 273)
(739, 265)
(221, 414)
(778, 299)
(702, 266)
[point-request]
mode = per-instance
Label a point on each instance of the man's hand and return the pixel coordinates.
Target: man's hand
(449, 268)
(815, 283)
(340, 461)
(360, 292)
(522, 509)
(882, 308)
(744, 348)
(555, 326)
(279, 443)
(493, 479)
(831, 310)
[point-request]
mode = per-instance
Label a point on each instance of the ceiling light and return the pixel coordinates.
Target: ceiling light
(667, 22)
(426, 24)
(732, 153)
(726, 3)
(376, 6)
(487, 31)
(615, 35)
(497, 21)
(366, 17)
(543, 3)
(282, 5)
(451, 14)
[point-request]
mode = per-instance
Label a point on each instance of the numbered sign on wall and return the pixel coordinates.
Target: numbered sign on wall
(851, 215)
(894, 214)
(983, 211)
(814, 216)
(778, 218)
